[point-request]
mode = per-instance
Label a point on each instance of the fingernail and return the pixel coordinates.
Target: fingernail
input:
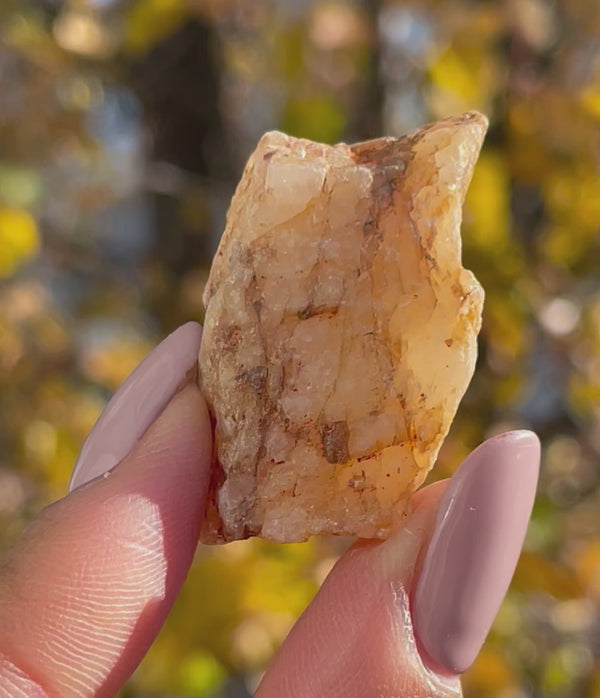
(137, 403)
(480, 527)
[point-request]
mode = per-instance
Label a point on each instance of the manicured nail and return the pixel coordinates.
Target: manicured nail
(480, 527)
(137, 403)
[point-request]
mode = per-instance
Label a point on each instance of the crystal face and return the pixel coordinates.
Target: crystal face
(340, 331)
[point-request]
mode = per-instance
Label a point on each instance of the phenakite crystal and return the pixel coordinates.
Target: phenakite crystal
(340, 331)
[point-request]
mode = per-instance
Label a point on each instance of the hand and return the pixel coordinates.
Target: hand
(85, 591)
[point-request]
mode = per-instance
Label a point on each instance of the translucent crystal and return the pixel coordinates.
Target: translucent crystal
(340, 331)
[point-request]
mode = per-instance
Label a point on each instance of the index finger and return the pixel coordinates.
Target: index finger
(86, 590)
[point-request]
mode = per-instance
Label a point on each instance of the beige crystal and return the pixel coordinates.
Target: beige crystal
(340, 331)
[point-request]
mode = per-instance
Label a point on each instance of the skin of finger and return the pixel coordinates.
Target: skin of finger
(356, 640)
(87, 588)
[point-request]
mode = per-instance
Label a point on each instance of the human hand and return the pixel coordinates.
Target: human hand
(86, 589)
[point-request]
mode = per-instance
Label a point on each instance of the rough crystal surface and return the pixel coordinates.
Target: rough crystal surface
(340, 331)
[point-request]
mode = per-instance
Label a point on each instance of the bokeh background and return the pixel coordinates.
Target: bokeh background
(124, 126)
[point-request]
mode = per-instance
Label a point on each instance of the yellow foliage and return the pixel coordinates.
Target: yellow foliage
(586, 562)
(58, 467)
(11, 346)
(572, 195)
(504, 326)
(173, 668)
(594, 691)
(487, 204)
(584, 394)
(53, 424)
(489, 674)
(200, 672)
(275, 586)
(507, 389)
(289, 52)
(590, 101)
(563, 246)
(458, 73)
(572, 199)
(317, 118)
(19, 239)
(557, 676)
(537, 573)
(111, 364)
(150, 21)
(462, 78)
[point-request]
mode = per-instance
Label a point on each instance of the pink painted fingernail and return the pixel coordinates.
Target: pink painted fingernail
(480, 527)
(137, 403)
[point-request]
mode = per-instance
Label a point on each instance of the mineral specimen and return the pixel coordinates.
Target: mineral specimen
(340, 331)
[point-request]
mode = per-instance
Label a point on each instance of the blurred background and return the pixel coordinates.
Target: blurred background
(124, 127)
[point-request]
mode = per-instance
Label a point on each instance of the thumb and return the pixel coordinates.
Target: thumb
(88, 586)
(406, 616)
(356, 638)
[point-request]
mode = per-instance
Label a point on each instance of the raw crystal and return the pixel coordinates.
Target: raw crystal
(340, 331)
